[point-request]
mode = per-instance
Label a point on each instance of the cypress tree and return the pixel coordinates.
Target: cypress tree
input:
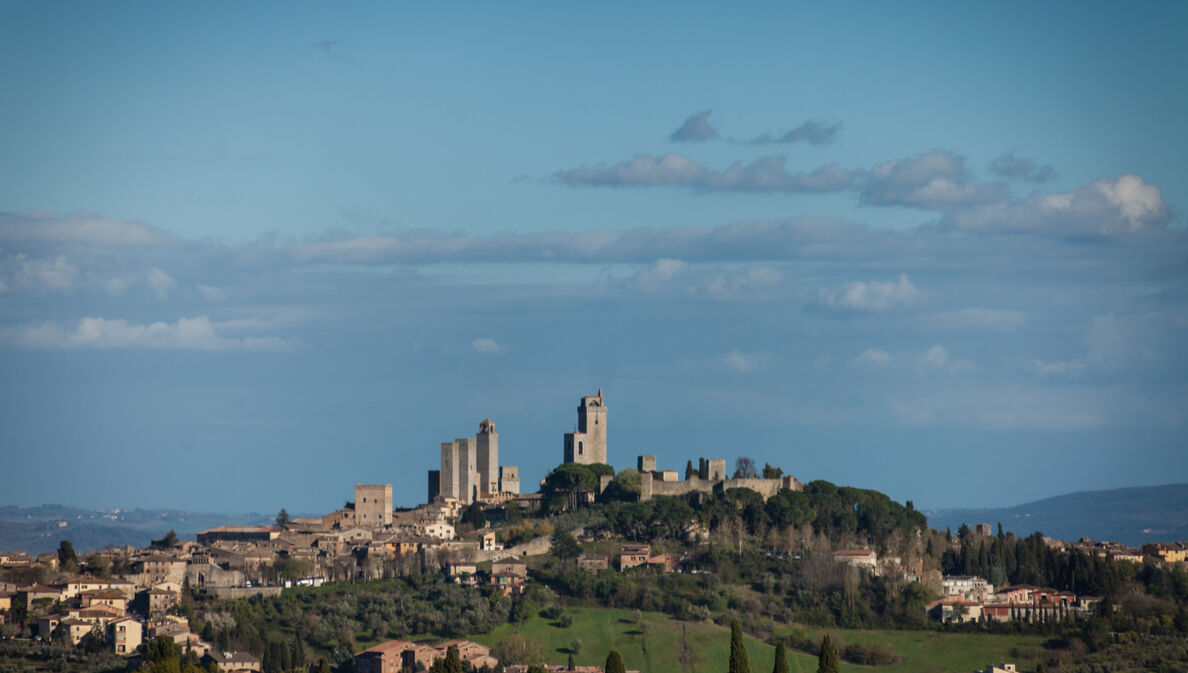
(298, 654)
(614, 663)
(828, 661)
(781, 659)
(739, 663)
(453, 662)
(571, 666)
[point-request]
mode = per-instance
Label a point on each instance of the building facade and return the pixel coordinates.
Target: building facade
(588, 444)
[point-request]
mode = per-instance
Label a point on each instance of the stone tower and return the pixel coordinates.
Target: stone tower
(459, 470)
(487, 460)
(588, 444)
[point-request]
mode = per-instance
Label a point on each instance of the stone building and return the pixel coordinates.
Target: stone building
(373, 505)
(470, 469)
(655, 482)
(487, 459)
(459, 470)
(509, 479)
(588, 444)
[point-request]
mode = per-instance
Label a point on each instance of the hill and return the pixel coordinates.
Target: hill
(1129, 515)
(37, 530)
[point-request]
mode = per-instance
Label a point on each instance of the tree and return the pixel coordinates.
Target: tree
(475, 516)
(781, 659)
(828, 661)
(744, 468)
(564, 546)
(570, 666)
(66, 553)
(770, 472)
(576, 646)
(170, 540)
(702, 469)
(739, 662)
(453, 662)
(282, 518)
(689, 471)
(323, 666)
(614, 663)
(512, 512)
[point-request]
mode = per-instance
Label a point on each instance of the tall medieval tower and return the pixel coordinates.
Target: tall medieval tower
(588, 444)
(488, 458)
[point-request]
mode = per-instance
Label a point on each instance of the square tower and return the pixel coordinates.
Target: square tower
(373, 505)
(588, 444)
(459, 470)
(487, 461)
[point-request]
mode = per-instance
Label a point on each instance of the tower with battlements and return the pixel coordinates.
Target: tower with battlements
(588, 444)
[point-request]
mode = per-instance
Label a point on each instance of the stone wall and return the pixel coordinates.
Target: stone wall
(650, 487)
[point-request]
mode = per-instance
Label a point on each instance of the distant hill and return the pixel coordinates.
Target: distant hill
(40, 529)
(1129, 515)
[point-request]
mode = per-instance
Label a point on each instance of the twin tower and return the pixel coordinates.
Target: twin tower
(470, 469)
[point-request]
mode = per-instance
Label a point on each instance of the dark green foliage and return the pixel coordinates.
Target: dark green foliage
(739, 662)
(570, 665)
(564, 546)
(614, 663)
(167, 542)
(781, 659)
(66, 553)
(453, 663)
(770, 472)
(828, 660)
(702, 468)
(689, 471)
(475, 516)
(282, 518)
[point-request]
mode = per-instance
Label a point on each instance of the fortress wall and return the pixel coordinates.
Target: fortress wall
(764, 487)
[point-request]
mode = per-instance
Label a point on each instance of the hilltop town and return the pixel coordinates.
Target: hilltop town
(479, 532)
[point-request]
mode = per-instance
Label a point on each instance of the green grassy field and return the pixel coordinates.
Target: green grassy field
(659, 651)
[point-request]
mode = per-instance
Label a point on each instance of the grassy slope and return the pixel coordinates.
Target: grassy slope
(603, 629)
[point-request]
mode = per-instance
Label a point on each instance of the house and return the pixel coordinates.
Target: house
(665, 562)
(233, 662)
(955, 609)
(858, 558)
(510, 566)
(472, 653)
(125, 635)
(238, 534)
(31, 594)
(1168, 552)
(160, 600)
(489, 543)
(511, 584)
(969, 587)
(115, 599)
(463, 573)
(1005, 668)
(634, 555)
(593, 562)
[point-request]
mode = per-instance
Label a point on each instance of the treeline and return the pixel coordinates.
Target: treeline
(839, 513)
(305, 624)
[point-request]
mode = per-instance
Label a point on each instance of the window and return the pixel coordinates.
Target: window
(579, 448)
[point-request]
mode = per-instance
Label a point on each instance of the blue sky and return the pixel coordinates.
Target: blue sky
(251, 255)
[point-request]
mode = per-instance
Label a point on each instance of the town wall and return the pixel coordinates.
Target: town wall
(650, 487)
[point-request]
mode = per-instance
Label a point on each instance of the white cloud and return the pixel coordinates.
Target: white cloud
(1107, 207)
(654, 276)
(486, 346)
(160, 283)
(872, 357)
(743, 362)
(83, 228)
(40, 275)
(988, 319)
(937, 358)
(211, 294)
(724, 285)
(872, 296)
(1059, 368)
(197, 333)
